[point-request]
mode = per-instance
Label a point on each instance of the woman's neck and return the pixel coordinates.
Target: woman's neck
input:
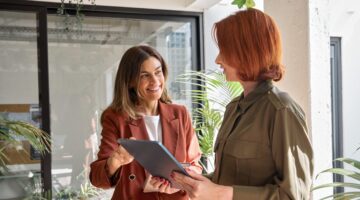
(149, 108)
(248, 86)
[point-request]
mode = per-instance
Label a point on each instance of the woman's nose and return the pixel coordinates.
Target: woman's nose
(217, 59)
(153, 79)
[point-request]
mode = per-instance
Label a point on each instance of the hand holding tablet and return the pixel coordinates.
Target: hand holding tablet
(154, 157)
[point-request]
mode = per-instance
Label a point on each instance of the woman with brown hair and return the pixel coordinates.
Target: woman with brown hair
(263, 150)
(142, 109)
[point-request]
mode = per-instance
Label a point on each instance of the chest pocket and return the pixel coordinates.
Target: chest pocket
(241, 149)
(237, 156)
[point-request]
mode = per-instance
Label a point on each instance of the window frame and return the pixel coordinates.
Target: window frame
(336, 108)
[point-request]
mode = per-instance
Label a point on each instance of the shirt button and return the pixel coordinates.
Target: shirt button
(132, 177)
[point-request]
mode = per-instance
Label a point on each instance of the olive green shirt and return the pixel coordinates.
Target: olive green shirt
(263, 149)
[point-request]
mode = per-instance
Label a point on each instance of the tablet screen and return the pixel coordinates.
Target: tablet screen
(154, 157)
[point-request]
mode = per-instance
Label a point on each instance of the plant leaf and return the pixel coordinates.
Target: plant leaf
(10, 131)
(343, 196)
(211, 93)
(337, 184)
(239, 3)
(250, 3)
(343, 172)
(350, 161)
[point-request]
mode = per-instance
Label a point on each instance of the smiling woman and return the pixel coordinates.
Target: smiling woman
(141, 109)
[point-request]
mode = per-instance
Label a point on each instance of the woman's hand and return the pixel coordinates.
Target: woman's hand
(118, 158)
(199, 187)
(162, 185)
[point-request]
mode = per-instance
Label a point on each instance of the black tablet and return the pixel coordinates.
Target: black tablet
(154, 157)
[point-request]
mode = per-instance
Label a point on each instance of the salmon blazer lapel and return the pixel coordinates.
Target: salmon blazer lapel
(170, 127)
(138, 129)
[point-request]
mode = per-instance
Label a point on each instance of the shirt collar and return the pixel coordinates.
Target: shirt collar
(261, 89)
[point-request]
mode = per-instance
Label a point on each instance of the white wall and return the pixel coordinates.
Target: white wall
(345, 23)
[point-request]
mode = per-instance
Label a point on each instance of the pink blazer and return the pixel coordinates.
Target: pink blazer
(178, 137)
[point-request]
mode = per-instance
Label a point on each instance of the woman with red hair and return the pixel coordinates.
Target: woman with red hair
(263, 150)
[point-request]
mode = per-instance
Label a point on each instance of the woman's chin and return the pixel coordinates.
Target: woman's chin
(153, 97)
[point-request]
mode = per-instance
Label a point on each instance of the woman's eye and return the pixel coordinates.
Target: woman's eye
(158, 72)
(144, 76)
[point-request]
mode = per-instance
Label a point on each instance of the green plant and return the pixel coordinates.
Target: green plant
(10, 131)
(87, 190)
(46, 195)
(79, 16)
(211, 93)
(354, 174)
(241, 3)
(66, 194)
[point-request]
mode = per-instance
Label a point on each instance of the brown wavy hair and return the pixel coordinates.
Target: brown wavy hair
(250, 41)
(126, 97)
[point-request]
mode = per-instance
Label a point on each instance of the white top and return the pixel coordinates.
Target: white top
(153, 127)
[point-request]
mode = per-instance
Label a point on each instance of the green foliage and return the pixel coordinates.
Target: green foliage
(11, 130)
(46, 195)
(211, 93)
(354, 174)
(66, 194)
(242, 3)
(207, 121)
(87, 190)
(75, 5)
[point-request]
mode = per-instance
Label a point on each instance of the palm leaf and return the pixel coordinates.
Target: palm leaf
(350, 161)
(338, 184)
(212, 87)
(211, 93)
(344, 172)
(10, 131)
(343, 196)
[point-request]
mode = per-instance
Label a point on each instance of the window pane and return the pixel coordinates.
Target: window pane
(18, 101)
(83, 64)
